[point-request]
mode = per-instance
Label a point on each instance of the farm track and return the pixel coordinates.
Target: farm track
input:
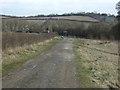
(54, 68)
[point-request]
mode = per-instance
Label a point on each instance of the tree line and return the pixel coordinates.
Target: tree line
(116, 28)
(18, 25)
(66, 28)
(93, 31)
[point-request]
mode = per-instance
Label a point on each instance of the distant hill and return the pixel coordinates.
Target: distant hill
(88, 25)
(110, 19)
(8, 16)
(72, 18)
(80, 16)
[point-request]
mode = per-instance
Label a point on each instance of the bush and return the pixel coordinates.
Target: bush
(13, 40)
(83, 30)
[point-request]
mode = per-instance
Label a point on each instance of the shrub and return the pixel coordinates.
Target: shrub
(13, 40)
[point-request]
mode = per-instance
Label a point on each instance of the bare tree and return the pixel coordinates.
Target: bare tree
(118, 7)
(116, 28)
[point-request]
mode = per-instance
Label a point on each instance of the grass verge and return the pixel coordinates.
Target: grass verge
(15, 60)
(97, 67)
(82, 72)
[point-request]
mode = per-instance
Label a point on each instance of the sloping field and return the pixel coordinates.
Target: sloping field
(77, 18)
(66, 24)
(40, 22)
(73, 18)
(62, 23)
(65, 20)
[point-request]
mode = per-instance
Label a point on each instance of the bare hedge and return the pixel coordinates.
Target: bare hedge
(13, 40)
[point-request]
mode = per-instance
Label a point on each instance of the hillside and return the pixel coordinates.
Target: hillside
(80, 16)
(50, 22)
(79, 26)
(108, 19)
(74, 18)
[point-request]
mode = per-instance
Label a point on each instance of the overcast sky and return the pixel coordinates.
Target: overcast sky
(35, 7)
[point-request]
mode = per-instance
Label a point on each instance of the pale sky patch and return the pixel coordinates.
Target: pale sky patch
(35, 7)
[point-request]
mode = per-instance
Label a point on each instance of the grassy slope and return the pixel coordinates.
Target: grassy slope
(110, 20)
(96, 68)
(82, 72)
(14, 61)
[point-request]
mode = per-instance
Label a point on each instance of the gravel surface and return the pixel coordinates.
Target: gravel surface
(54, 68)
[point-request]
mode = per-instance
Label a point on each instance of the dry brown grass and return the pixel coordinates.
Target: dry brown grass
(100, 61)
(15, 41)
(77, 18)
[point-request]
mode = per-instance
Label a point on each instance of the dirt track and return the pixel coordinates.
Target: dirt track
(54, 68)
